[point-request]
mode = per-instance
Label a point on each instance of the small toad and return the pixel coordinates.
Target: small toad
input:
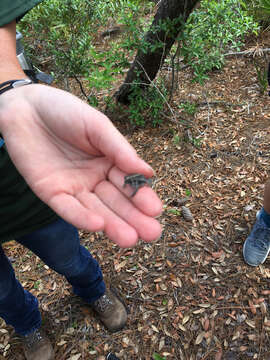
(136, 181)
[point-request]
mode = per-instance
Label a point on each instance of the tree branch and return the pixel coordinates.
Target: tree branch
(253, 52)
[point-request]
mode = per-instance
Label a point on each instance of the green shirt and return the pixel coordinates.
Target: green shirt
(14, 9)
(21, 211)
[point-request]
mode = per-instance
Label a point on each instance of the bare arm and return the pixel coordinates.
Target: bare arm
(9, 66)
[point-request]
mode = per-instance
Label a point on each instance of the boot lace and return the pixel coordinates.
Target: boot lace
(32, 339)
(261, 237)
(103, 303)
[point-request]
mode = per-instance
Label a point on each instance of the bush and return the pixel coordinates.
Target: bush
(147, 107)
(259, 9)
(67, 36)
(210, 31)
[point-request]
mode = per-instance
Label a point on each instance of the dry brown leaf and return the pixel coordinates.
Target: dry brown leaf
(243, 348)
(199, 338)
(206, 324)
(170, 304)
(265, 292)
(217, 254)
(119, 266)
(252, 307)
(219, 354)
(62, 342)
(205, 305)
(251, 323)
(75, 357)
(181, 327)
(200, 311)
(161, 344)
(267, 323)
(236, 335)
(263, 308)
(185, 319)
(155, 328)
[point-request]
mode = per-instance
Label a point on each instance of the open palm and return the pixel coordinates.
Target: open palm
(75, 160)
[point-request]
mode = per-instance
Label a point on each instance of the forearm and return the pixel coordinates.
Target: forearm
(10, 68)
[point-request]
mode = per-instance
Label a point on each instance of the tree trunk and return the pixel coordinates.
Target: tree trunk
(147, 64)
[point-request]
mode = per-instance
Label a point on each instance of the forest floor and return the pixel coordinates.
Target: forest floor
(189, 295)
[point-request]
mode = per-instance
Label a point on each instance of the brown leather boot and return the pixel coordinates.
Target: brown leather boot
(110, 311)
(37, 346)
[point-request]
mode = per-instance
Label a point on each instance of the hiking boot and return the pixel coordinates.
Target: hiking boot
(257, 245)
(37, 346)
(110, 311)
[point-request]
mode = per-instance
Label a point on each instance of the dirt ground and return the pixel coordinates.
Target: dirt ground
(189, 295)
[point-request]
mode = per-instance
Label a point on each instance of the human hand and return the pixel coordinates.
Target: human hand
(75, 160)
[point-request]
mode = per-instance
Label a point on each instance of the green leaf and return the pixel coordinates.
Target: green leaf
(174, 211)
(188, 192)
(156, 356)
(164, 302)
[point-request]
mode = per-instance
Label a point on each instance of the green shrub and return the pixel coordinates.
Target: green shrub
(210, 31)
(146, 105)
(265, 6)
(68, 37)
(63, 35)
(259, 9)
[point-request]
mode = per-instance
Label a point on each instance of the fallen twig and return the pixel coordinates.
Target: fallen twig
(253, 52)
(219, 103)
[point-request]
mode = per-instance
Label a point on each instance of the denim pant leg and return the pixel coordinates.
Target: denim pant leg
(58, 245)
(18, 307)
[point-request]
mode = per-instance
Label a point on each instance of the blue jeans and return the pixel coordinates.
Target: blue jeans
(58, 245)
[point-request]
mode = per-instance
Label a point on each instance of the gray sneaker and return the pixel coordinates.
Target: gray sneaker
(257, 245)
(110, 311)
(37, 346)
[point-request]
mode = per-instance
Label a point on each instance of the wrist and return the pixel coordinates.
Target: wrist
(3, 117)
(13, 84)
(9, 102)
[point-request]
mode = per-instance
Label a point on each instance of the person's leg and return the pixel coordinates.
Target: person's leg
(58, 245)
(257, 246)
(18, 307)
